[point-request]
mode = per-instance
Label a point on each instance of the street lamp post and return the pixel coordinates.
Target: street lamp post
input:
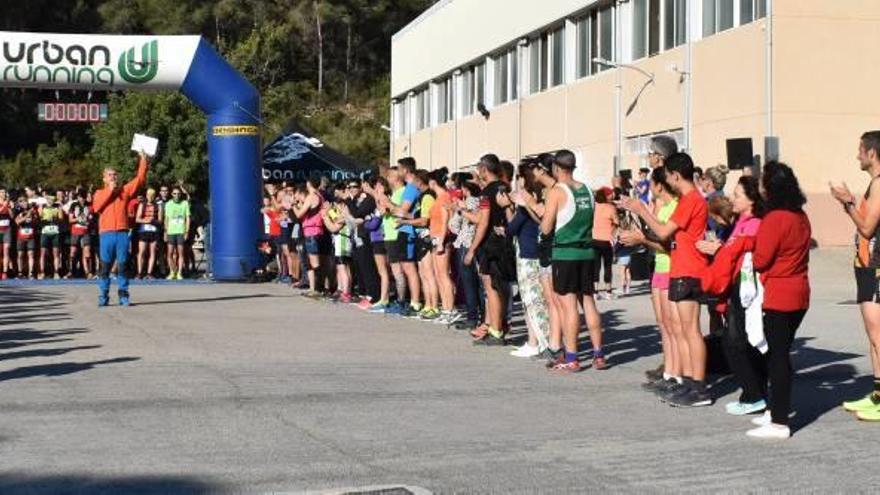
(618, 97)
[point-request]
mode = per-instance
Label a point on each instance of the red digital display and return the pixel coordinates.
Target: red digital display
(72, 112)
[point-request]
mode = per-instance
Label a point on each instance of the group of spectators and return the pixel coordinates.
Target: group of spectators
(457, 249)
(53, 233)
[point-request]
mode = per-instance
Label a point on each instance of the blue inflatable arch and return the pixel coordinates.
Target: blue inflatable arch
(185, 63)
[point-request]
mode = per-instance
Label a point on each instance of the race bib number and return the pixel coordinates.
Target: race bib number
(26, 231)
(4, 223)
(148, 228)
(50, 229)
(177, 222)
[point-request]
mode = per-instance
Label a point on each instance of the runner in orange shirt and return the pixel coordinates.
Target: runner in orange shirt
(111, 204)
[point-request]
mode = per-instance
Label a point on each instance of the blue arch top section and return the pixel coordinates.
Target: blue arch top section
(232, 106)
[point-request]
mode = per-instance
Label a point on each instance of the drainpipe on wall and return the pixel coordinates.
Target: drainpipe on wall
(520, 55)
(456, 81)
(393, 132)
(618, 90)
(688, 88)
(768, 42)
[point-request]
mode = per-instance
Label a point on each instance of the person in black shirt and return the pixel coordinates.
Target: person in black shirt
(492, 251)
(359, 208)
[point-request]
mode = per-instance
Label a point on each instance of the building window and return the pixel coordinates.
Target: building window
(467, 92)
(646, 28)
(639, 29)
(720, 15)
(674, 23)
(400, 120)
(760, 9)
(422, 109)
(724, 14)
(539, 58)
(445, 101)
(582, 51)
(557, 59)
(514, 73)
(605, 35)
(480, 83)
(502, 72)
(505, 77)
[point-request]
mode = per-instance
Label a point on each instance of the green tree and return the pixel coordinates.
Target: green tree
(168, 116)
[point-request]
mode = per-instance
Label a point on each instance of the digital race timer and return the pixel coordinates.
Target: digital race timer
(72, 112)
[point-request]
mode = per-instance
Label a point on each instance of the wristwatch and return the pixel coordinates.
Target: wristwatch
(848, 205)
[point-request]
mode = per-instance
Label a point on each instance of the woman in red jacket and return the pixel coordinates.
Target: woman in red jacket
(781, 256)
(722, 279)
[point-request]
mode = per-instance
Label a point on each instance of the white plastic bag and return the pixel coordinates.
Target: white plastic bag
(751, 295)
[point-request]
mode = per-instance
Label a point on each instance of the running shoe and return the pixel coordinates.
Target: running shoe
(312, 294)
(545, 355)
(480, 331)
(491, 340)
(691, 398)
(763, 419)
(745, 408)
(870, 414)
(526, 351)
(669, 390)
(566, 367)
(179, 276)
(429, 314)
(770, 432)
(124, 301)
(57, 277)
(453, 317)
(654, 385)
(103, 301)
(345, 298)
(867, 403)
(556, 357)
(655, 373)
(600, 363)
(365, 304)
(393, 309)
(171, 276)
(379, 307)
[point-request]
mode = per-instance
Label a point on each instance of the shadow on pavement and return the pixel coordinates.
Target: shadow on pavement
(58, 369)
(204, 300)
(17, 331)
(44, 352)
(86, 484)
(621, 345)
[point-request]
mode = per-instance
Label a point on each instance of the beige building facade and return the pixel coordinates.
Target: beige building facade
(521, 77)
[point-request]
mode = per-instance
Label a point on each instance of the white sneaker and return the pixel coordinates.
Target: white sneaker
(526, 351)
(762, 420)
(770, 432)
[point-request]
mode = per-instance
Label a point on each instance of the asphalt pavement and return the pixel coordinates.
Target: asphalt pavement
(226, 388)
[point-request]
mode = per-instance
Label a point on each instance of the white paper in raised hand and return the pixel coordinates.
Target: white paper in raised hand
(142, 142)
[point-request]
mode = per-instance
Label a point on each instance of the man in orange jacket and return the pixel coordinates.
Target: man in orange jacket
(110, 204)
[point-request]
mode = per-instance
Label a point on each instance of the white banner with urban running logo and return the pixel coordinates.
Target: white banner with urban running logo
(101, 62)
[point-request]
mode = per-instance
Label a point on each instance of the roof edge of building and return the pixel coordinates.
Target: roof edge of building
(418, 20)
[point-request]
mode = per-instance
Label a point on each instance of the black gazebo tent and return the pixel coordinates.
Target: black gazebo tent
(295, 156)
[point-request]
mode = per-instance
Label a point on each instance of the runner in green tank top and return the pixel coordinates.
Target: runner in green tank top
(569, 213)
(574, 224)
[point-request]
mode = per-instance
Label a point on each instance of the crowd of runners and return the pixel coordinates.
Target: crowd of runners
(458, 249)
(53, 233)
